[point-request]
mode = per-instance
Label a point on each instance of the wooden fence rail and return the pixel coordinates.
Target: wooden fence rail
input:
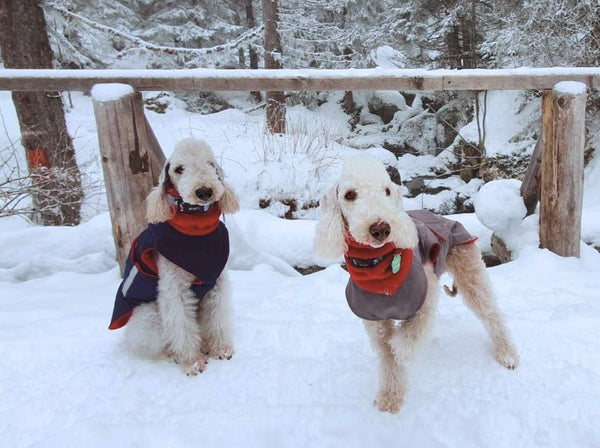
(562, 142)
(299, 80)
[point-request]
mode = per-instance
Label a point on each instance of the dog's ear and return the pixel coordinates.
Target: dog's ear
(229, 202)
(404, 232)
(157, 206)
(397, 197)
(165, 178)
(329, 233)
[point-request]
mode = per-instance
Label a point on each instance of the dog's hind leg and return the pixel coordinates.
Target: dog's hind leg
(177, 306)
(470, 276)
(214, 317)
(392, 381)
(143, 331)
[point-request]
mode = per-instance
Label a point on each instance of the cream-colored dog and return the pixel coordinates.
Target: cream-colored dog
(175, 295)
(394, 259)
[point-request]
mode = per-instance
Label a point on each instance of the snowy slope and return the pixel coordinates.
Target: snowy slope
(303, 374)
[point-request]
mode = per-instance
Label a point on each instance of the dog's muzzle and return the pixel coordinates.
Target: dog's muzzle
(186, 207)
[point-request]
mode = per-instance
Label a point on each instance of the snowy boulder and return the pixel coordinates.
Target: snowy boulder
(500, 207)
(378, 107)
(385, 104)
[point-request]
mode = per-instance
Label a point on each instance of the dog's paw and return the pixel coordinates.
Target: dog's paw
(506, 355)
(388, 401)
(509, 360)
(191, 367)
(196, 366)
(222, 352)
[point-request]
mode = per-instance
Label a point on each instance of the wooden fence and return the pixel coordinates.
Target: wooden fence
(299, 80)
(132, 158)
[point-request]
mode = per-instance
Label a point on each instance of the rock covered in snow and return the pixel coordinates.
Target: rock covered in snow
(500, 207)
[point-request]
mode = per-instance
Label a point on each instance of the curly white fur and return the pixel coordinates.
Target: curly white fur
(377, 199)
(177, 324)
(365, 195)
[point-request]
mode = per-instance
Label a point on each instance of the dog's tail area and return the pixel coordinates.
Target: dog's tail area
(451, 292)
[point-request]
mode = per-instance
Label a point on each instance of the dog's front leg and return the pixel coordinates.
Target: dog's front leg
(214, 317)
(392, 377)
(177, 306)
(413, 332)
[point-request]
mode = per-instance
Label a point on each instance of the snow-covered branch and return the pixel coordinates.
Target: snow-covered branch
(249, 35)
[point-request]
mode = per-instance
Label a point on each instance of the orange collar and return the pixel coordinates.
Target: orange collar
(380, 270)
(196, 223)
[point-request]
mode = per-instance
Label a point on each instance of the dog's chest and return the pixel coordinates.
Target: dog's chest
(202, 256)
(436, 236)
(402, 304)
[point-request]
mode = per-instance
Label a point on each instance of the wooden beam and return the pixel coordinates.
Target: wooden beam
(515, 81)
(131, 162)
(563, 138)
(299, 80)
(530, 187)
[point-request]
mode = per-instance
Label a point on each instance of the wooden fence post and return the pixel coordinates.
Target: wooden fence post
(131, 160)
(561, 196)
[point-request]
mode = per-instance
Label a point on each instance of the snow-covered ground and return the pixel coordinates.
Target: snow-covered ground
(303, 373)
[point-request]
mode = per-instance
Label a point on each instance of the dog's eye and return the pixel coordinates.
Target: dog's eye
(350, 195)
(387, 191)
(179, 170)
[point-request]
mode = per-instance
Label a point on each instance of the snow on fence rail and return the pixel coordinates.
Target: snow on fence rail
(132, 157)
(299, 80)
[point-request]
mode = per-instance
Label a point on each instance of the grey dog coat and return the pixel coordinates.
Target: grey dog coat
(437, 235)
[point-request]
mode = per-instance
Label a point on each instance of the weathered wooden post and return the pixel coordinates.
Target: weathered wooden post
(131, 160)
(561, 189)
(530, 187)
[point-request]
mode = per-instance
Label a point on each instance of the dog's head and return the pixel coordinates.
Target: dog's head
(366, 205)
(192, 173)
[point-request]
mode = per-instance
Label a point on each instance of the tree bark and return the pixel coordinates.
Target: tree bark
(252, 53)
(275, 100)
(49, 149)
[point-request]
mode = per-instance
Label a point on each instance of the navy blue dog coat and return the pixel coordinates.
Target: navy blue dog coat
(204, 256)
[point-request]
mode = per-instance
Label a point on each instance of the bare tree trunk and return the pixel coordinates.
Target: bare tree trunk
(252, 53)
(48, 145)
(275, 100)
(453, 48)
(473, 43)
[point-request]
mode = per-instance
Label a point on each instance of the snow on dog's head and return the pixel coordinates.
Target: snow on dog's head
(365, 205)
(193, 174)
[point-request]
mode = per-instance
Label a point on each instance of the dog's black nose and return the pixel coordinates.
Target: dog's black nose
(204, 193)
(380, 230)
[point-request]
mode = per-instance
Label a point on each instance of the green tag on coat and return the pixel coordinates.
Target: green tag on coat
(396, 263)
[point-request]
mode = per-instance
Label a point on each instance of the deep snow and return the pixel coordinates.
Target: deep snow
(303, 374)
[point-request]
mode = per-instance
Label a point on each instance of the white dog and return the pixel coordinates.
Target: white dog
(394, 259)
(175, 294)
